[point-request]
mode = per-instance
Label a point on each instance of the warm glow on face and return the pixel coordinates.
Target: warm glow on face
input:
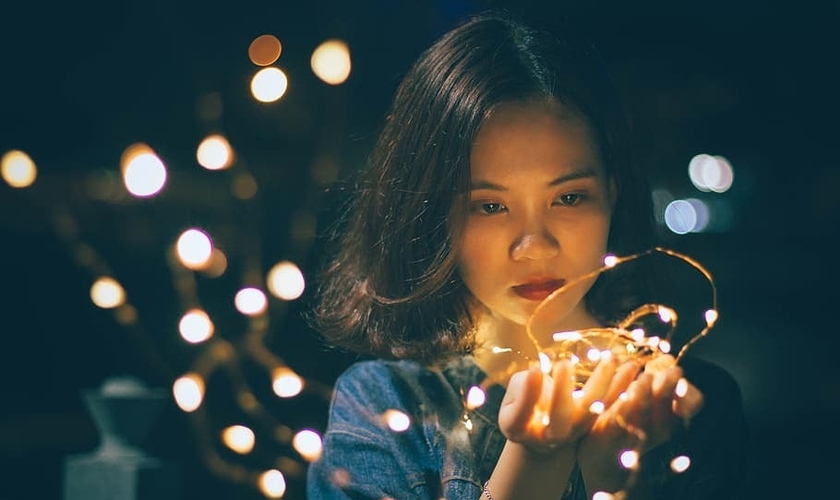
(308, 443)
(18, 169)
(285, 281)
(331, 62)
(239, 438)
(107, 293)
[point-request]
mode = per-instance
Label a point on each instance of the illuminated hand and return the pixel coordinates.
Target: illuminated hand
(545, 412)
(648, 413)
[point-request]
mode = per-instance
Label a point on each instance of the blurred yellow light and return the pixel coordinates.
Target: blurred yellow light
(107, 293)
(217, 265)
(195, 326)
(629, 458)
(144, 173)
(239, 438)
(264, 50)
(18, 169)
(214, 152)
(244, 186)
(680, 463)
(286, 383)
(308, 443)
(330, 62)
(250, 301)
(194, 248)
(188, 391)
(269, 84)
(272, 483)
(285, 281)
(475, 397)
(396, 420)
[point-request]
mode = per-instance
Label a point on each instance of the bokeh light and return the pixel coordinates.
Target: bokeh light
(195, 326)
(269, 84)
(272, 483)
(710, 173)
(250, 301)
(330, 61)
(194, 248)
(285, 382)
(264, 50)
(143, 172)
(285, 281)
(188, 391)
(107, 293)
(308, 443)
(239, 438)
(214, 152)
(18, 169)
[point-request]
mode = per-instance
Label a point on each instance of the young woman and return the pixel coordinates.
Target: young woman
(502, 174)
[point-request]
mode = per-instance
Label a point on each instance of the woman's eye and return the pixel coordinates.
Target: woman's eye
(488, 208)
(570, 199)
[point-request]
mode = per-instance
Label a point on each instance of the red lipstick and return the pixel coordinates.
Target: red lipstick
(538, 290)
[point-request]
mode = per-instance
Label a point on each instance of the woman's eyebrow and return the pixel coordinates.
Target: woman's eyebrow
(583, 173)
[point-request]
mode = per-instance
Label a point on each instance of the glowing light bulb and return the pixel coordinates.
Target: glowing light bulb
(107, 293)
(285, 281)
(396, 420)
(330, 61)
(269, 84)
(476, 397)
(194, 248)
(680, 464)
(272, 483)
(682, 388)
(629, 458)
(308, 443)
(250, 301)
(144, 173)
(711, 317)
(214, 152)
(18, 169)
(189, 392)
(286, 383)
(610, 260)
(239, 438)
(195, 326)
(597, 407)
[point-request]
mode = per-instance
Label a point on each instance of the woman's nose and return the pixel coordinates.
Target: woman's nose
(535, 244)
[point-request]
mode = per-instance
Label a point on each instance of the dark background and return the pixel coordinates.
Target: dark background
(752, 81)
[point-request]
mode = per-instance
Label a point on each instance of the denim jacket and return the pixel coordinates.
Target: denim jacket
(447, 452)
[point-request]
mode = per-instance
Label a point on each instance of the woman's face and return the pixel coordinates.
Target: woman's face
(539, 216)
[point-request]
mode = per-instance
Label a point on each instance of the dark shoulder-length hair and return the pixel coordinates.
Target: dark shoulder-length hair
(391, 288)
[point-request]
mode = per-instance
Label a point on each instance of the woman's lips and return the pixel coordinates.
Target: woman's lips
(538, 291)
